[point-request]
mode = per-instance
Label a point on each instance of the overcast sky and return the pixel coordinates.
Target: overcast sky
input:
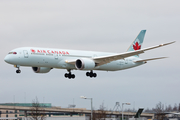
(96, 25)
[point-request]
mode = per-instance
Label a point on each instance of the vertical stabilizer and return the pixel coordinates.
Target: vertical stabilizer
(139, 113)
(137, 43)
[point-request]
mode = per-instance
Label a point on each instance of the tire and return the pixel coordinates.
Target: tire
(91, 75)
(69, 76)
(73, 76)
(65, 75)
(18, 71)
(94, 74)
(87, 74)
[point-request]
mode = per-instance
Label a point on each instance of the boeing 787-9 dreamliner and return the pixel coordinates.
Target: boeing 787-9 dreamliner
(42, 60)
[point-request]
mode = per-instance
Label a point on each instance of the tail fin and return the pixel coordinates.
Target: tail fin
(137, 43)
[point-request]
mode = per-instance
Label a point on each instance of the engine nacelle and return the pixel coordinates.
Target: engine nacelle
(85, 64)
(41, 69)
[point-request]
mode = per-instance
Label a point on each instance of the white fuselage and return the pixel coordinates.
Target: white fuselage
(56, 58)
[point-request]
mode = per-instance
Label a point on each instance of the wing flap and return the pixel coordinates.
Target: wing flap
(145, 60)
(107, 59)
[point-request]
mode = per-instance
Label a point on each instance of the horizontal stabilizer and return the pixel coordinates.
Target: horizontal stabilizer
(145, 60)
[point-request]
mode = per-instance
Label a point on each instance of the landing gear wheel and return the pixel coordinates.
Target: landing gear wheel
(73, 76)
(65, 75)
(69, 76)
(94, 74)
(18, 71)
(87, 74)
(91, 75)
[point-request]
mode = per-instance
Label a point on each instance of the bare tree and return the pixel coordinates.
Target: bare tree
(147, 110)
(169, 108)
(160, 115)
(100, 114)
(37, 111)
(175, 108)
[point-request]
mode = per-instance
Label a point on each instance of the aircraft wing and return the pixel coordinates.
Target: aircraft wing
(107, 59)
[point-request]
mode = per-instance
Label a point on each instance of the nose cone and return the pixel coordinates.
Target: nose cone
(7, 59)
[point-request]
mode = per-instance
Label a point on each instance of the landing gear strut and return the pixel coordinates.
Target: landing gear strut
(91, 74)
(69, 75)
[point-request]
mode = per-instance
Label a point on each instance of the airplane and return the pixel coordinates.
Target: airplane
(42, 60)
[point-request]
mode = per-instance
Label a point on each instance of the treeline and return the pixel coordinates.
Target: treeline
(164, 108)
(159, 107)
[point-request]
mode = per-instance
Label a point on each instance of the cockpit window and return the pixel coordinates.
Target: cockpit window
(12, 53)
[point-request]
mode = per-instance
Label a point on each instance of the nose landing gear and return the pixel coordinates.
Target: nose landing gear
(18, 70)
(91, 74)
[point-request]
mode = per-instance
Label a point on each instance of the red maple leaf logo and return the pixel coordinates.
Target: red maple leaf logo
(33, 51)
(136, 46)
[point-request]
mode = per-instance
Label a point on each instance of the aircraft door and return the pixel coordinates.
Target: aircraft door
(56, 56)
(25, 53)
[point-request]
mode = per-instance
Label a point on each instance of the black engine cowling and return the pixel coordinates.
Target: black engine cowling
(41, 69)
(85, 64)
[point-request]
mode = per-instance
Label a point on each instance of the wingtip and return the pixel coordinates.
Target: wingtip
(172, 42)
(168, 43)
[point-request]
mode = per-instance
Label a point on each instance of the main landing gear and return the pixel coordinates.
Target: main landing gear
(69, 75)
(91, 74)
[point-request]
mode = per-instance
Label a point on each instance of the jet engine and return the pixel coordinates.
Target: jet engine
(41, 69)
(85, 64)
